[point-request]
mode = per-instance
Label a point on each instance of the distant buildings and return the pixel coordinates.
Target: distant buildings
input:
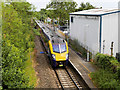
(97, 30)
(49, 20)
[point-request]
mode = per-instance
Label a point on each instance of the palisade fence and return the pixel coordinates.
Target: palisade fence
(82, 49)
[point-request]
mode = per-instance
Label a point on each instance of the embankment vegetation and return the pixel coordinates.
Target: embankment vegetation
(108, 75)
(17, 45)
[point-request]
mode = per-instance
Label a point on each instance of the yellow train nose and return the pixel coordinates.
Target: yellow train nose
(61, 57)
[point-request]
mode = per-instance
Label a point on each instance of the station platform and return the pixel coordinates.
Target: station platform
(84, 68)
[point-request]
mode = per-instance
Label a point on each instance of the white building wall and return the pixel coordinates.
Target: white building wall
(110, 33)
(119, 28)
(86, 30)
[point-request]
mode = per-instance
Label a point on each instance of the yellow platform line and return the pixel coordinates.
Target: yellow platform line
(85, 67)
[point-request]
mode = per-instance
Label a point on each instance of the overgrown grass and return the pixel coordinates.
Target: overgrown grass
(29, 70)
(105, 79)
(37, 31)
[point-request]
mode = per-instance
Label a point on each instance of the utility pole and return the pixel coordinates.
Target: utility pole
(54, 24)
(87, 54)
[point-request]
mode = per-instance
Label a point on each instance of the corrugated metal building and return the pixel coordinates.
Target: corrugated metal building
(96, 29)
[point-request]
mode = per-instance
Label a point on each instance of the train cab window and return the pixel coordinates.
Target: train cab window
(59, 48)
(56, 48)
(63, 48)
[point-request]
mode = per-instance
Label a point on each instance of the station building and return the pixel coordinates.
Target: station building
(97, 29)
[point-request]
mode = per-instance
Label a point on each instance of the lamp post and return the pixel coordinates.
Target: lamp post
(54, 24)
(68, 31)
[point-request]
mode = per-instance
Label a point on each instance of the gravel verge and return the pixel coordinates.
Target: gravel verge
(46, 77)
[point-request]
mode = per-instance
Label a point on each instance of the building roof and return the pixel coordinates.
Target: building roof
(96, 12)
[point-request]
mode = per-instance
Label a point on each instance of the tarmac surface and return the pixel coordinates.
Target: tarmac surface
(84, 68)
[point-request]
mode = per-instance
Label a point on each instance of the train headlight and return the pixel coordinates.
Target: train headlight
(53, 56)
(66, 56)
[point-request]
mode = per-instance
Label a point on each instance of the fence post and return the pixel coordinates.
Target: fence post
(87, 55)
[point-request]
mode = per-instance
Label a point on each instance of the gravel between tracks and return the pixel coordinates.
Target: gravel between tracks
(44, 72)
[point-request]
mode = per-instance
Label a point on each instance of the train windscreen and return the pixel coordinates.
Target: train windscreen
(59, 48)
(63, 48)
(56, 48)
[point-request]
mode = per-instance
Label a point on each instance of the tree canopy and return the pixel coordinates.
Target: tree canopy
(61, 9)
(85, 6)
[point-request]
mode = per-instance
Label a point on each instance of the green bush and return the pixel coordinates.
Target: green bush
(36, 31)
(108, 76)
(105, 79)
(16, 40)
(104, 61)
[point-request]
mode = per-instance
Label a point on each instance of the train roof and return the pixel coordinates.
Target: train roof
(51, 35)
(57, 40)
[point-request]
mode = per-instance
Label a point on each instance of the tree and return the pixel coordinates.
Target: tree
(16, 38)
(85, 6)
(24, 9)
(61, 9)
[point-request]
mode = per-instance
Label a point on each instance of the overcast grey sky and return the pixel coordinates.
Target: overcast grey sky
(106, 4)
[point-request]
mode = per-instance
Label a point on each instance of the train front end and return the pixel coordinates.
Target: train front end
(58, 49)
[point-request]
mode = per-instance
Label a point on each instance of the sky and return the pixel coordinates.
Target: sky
(105, 4)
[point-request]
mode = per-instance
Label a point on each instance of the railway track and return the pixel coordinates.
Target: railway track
(66, 79)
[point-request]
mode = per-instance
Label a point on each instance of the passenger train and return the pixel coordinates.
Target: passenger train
(56, 47)
(58, 52)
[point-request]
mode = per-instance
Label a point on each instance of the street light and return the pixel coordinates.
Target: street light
(54, 24)
(68, 31)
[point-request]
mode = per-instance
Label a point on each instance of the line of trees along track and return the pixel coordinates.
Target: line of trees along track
(60, 9)
(17, 42)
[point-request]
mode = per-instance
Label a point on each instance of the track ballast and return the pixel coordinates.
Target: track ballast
(66, 80)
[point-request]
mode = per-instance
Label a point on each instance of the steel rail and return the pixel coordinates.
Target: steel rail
(62, 86)
(59, 79)
(72, 79)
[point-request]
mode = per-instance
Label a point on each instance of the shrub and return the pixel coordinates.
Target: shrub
(16, 40)
(105, 79)
(104, 61)
(109, 74)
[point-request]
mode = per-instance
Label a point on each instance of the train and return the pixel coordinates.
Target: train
(55, 46)
(58, 52)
